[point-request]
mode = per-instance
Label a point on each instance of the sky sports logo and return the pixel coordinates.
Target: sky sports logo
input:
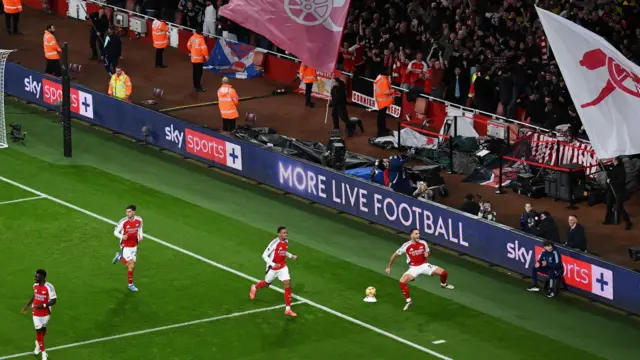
(81, 102)
(206, 147)
(577, 273)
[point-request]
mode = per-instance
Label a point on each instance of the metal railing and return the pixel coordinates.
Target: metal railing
(294, 59)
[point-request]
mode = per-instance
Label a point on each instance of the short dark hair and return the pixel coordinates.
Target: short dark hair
(42, 273)
(131, 207)
(280, 228)
(574, 215)
(412, 230)
(547, 243)
(48, 27)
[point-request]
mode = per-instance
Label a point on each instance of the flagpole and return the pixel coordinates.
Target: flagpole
(326, 114)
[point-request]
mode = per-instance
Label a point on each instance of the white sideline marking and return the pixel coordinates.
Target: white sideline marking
(439, 342)
(215, 318)
(236, 272)
(21, 200)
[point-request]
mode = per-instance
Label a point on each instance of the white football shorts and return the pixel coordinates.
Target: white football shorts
(424, 269)
(282, 275)
(41, 321)
(129, 253)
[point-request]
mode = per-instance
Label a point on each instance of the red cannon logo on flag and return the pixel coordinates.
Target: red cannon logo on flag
(619, 77)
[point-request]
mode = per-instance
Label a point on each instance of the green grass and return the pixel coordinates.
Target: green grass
(230, 221)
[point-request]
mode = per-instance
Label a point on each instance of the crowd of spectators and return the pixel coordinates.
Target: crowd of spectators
(491, 55)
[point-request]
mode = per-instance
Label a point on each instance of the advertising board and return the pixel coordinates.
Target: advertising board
(491, 242)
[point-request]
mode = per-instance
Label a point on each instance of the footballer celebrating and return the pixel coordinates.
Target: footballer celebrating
(43, 298)
(129, 231)
(275, 255)
(417, 252)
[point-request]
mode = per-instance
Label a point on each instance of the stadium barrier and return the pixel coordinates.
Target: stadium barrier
(283, 68)
(495, 243)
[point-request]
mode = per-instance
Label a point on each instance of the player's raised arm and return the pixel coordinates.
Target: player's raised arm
(26, 307)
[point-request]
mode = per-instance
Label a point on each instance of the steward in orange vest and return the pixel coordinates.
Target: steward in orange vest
(51, 52)
(308, 76)
(228, 104)
(383, 93)
(160, 40)
(12, 10)
(199, 54)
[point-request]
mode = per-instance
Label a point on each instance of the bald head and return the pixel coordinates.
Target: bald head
(225, 80)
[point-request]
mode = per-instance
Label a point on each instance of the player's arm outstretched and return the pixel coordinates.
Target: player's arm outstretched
(26, 307)
(393, 258)
(291, 256)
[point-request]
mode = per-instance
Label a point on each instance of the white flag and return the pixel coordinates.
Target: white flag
(604, 85)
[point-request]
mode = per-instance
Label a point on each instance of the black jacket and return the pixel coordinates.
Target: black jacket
(112, 46)
(577, 238)
(100, 23)
(470, 207)
(338, 96)
(617, 179)
(548, 230)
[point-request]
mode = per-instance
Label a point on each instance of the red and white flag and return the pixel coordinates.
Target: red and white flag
(603, 83)
(309, 29)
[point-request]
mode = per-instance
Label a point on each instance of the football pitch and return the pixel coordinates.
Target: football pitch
(205, 233)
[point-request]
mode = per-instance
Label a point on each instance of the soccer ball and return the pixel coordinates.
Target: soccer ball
(371, 291)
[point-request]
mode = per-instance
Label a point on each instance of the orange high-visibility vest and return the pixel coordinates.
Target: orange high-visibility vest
(51, 48)
(228, 102)
(120, 86)
(308, 74)
(160, 34)
(383, 92)
(198, 49)
(12, 6)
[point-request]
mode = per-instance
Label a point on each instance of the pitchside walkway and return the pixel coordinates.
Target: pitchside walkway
(286, 114)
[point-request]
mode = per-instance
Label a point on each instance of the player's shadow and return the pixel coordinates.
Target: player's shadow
(120, 313)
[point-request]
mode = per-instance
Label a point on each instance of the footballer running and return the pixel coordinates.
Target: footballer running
(417, 253)
(275, 255)
(43, 298)
(129, 231)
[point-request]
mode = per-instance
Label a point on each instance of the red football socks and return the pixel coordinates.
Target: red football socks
(405, 290)
(287, 296)
(130, 276)
(123, 260)
(261, 284)
(40, 340)
(443, 277)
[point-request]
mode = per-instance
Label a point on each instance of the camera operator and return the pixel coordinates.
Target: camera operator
(470, 206)
(549, 263)
(399, 180)
(380, 172)
(617, 192)
(486, 212)
(423, 193)
(547, 229)
(529, 218)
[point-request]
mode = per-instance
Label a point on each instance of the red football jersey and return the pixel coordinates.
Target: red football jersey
(277, 252)
(42, 294)
(416, 252)
(132, 228)
(416, 79)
